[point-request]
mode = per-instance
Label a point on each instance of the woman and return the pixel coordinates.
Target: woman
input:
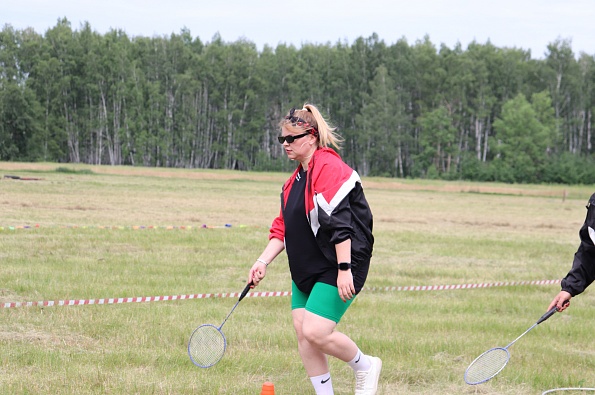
(325, 225)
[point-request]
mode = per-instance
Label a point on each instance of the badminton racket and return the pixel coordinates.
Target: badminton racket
(491, 362)
(207, 343)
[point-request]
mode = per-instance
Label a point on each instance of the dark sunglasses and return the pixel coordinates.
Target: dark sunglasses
(290, 139)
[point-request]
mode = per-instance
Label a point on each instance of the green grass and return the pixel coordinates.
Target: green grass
(62, 169)
(83, 243)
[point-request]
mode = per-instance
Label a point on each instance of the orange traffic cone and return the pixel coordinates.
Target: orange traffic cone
(268, 389)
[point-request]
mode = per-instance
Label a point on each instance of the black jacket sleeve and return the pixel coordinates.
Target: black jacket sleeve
(582, 273)
(351, 219)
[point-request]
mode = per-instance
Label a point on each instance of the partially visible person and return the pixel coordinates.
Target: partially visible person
(325, 227)
(582, 273)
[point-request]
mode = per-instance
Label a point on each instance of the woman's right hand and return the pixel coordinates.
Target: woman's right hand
(257, 273)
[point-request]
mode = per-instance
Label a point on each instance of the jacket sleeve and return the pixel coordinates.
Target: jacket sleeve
(350, 219)
(332, 187)
(582, 273)
(277, 229)
(338, 223)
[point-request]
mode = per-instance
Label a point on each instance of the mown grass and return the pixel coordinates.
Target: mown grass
(83, 242)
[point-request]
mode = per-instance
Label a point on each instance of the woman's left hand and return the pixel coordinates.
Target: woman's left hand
(345, 285)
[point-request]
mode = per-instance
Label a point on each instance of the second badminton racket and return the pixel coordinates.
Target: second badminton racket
(491, 362)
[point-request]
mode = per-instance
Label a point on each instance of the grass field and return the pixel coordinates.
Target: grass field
(76, 233)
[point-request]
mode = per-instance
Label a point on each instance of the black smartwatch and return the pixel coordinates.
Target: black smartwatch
(344, 265)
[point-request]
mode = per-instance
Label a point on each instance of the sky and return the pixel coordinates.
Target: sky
(526, 24)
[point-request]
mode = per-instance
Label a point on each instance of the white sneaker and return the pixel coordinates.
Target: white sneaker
(366, 381)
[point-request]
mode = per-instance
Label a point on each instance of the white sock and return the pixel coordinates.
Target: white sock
(360, 362)
(323, 385)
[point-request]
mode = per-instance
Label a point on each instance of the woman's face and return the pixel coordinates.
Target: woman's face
(298, 146)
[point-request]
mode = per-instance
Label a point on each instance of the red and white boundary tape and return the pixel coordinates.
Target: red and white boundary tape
(463, 286)
(81, 302)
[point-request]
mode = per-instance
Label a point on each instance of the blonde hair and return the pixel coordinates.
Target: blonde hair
(310, 118)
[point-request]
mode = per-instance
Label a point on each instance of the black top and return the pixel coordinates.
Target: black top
(307, 263)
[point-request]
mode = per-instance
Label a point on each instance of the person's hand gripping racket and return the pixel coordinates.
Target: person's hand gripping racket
(561, 301)
(258, 272)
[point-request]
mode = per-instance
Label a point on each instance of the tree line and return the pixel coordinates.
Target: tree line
(404, 110)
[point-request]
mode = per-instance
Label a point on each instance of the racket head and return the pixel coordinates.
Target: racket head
(206, 346)
(487, 365)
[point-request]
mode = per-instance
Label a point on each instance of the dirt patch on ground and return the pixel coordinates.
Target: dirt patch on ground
(7, 295)
(194, 174)
(47, 339)
(466, 188)
(199, 174)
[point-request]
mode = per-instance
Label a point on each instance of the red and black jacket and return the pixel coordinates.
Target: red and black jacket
(336, 209)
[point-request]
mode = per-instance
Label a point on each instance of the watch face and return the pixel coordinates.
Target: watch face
(344, 266)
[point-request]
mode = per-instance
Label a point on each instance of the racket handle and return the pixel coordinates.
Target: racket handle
(245, 291)
(547, 315)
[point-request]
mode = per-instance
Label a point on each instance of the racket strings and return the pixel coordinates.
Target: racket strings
(206, 346)
(486, 366)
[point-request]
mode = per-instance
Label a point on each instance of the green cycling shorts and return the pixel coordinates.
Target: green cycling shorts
(324, 300)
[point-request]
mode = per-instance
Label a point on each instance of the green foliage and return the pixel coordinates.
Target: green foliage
(437, 141)
(69, 170)
(405, 110)
(570, 169)
(522, 140)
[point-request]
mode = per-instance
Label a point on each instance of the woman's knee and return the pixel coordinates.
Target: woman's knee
(315, 332)
(314, 336)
